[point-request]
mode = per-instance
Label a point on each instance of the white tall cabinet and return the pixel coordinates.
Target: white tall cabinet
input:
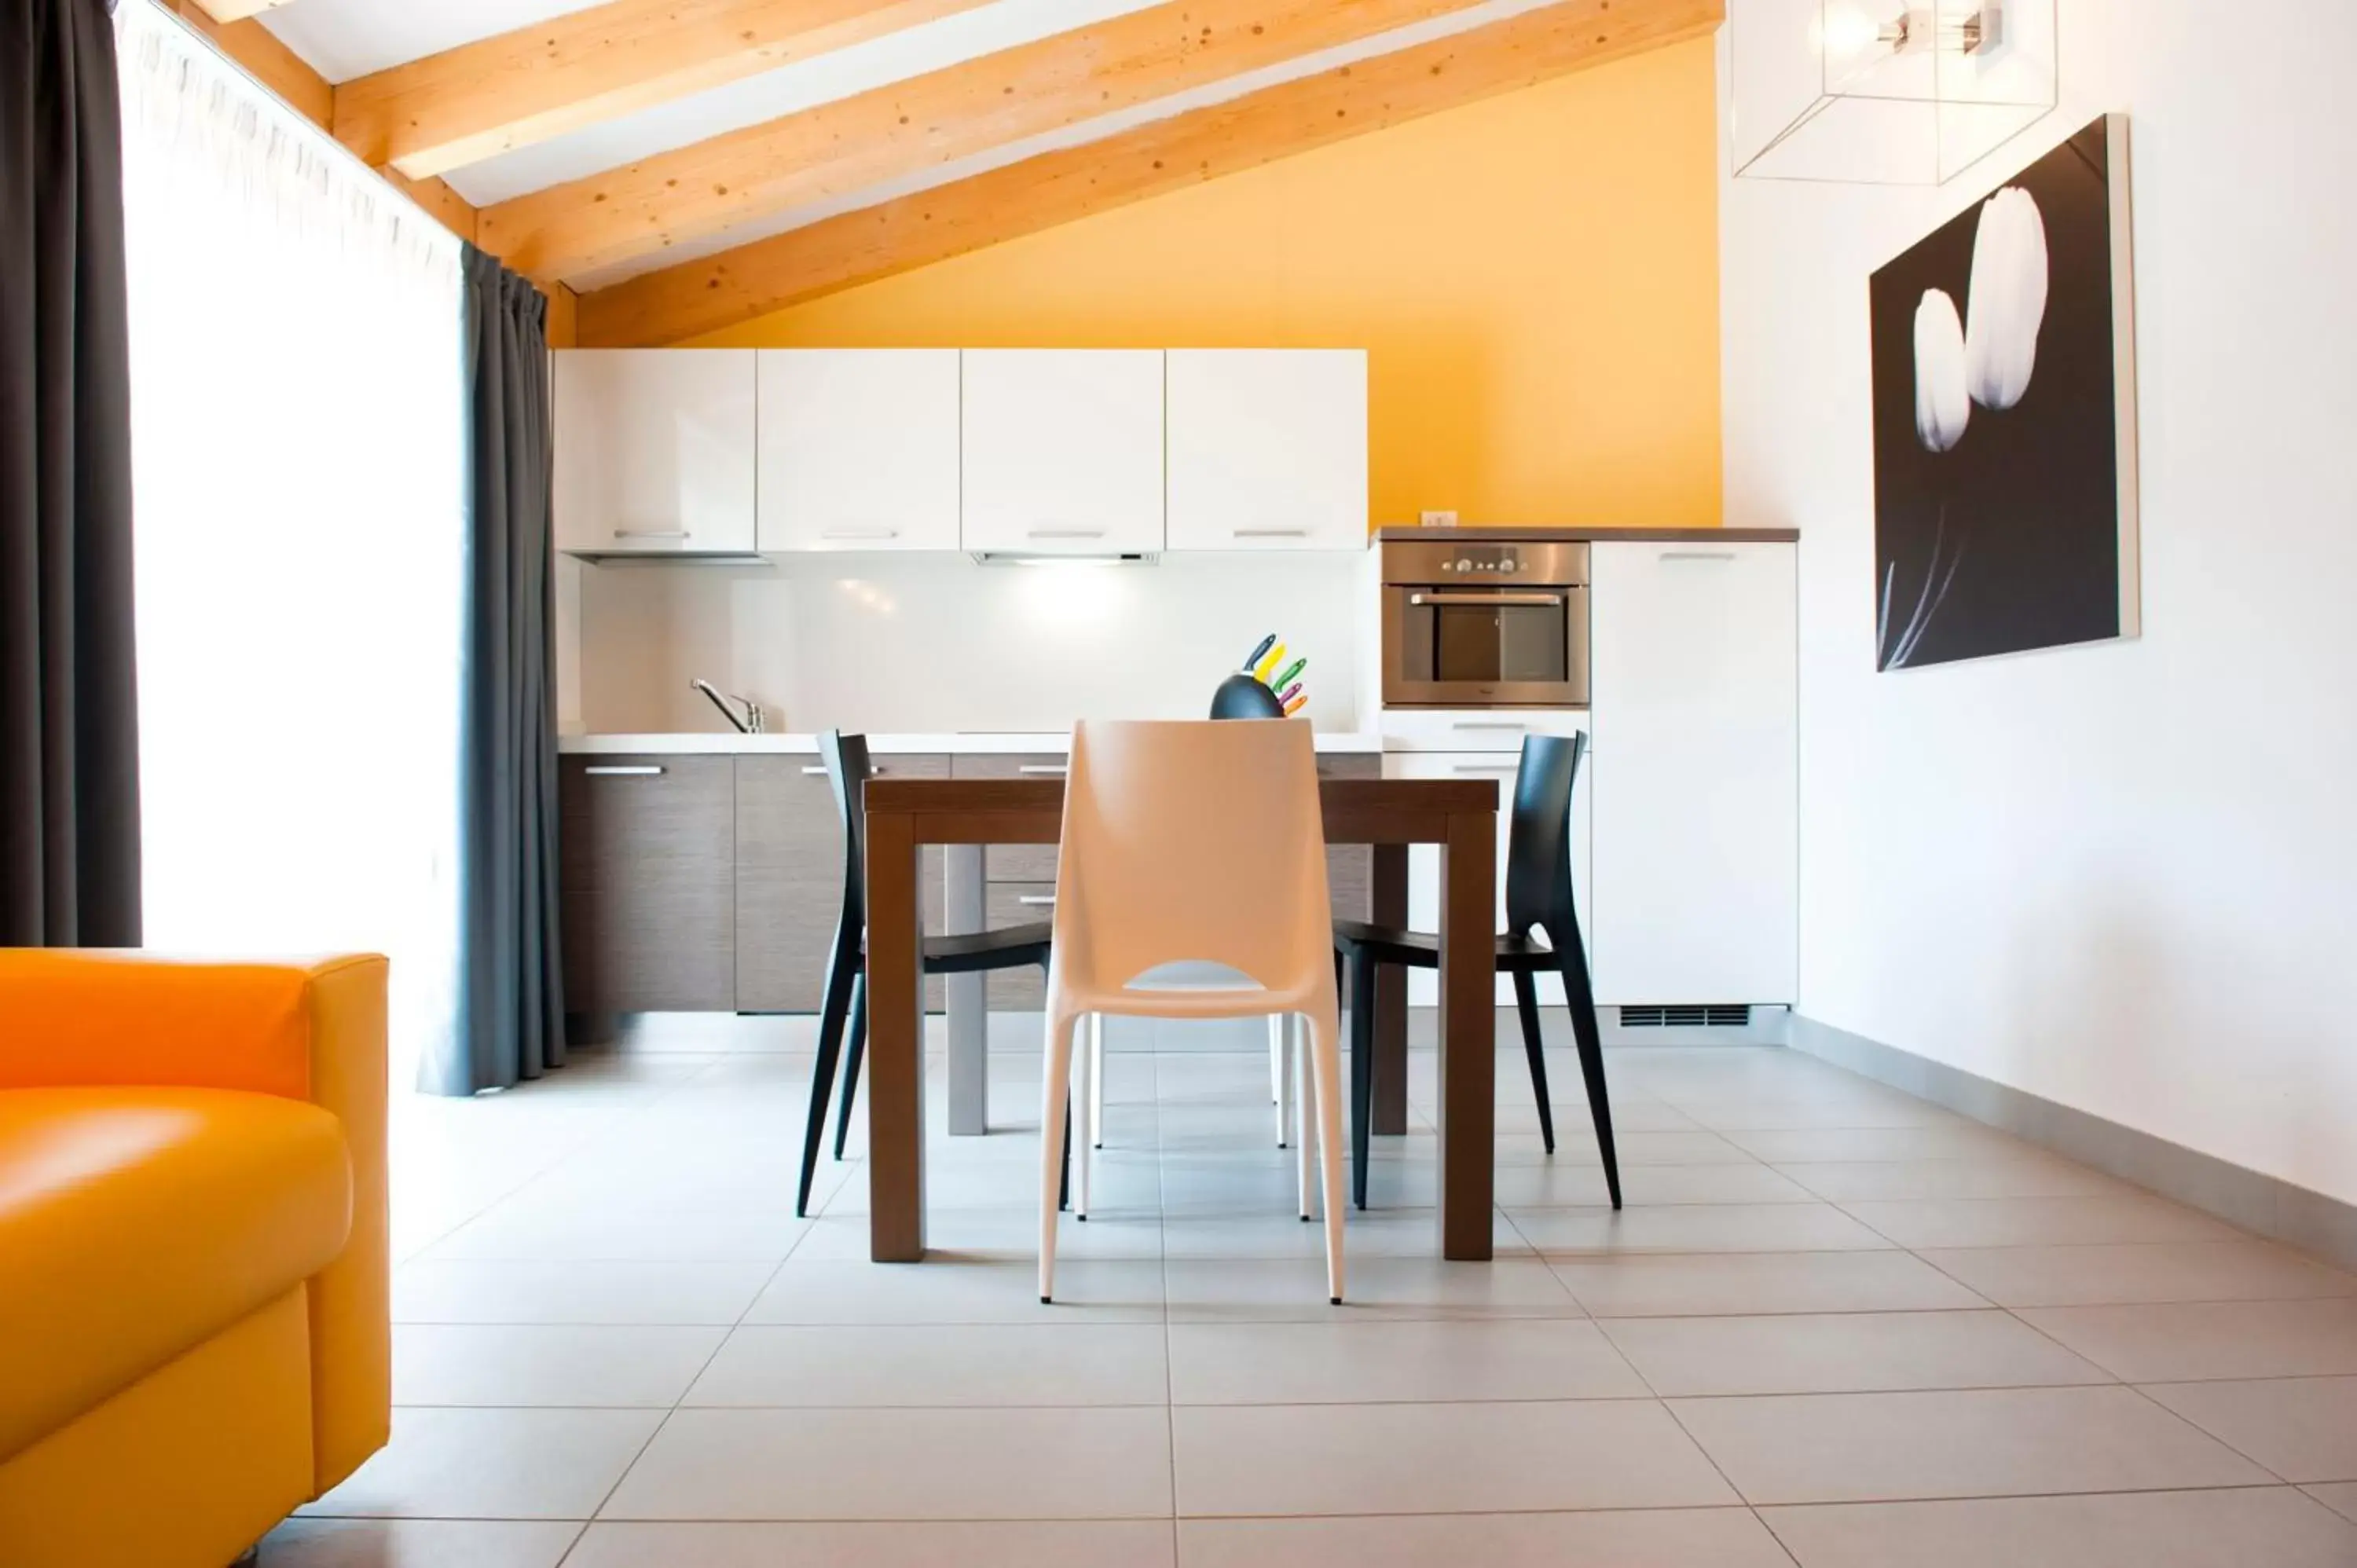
(1694, 670)
(1063, 450)
(858, 449)
(1267, 449)
(654, 451)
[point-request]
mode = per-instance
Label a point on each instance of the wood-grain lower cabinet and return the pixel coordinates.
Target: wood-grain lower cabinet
(647, 873)
(789, 879)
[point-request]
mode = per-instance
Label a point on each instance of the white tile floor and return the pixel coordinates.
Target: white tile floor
(1835, 1326)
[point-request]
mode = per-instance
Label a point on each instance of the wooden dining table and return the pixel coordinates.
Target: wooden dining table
(1459, 815)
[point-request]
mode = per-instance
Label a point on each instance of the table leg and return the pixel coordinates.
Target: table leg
(896, 1044)
(1389, 907)
(969, 1015)
(1468, 1035)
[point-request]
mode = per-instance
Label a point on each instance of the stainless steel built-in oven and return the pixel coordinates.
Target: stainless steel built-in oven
(1485, 624)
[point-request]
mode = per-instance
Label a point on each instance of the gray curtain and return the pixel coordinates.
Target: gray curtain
(509, 1023)
(68, 701)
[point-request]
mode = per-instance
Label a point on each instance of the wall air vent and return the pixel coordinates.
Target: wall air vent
(1686, 1016)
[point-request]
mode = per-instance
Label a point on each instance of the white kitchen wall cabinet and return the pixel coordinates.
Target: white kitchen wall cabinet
(1695, 655)
(858, 449)
(654, 451)
(1489, 745)
(1063, 450)
(1267, 449)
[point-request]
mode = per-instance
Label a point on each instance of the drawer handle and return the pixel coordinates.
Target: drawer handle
(1035, 898)
(1697, 555)
(873, 772)
(1270, 532)
(1485, 767)
(1053, 769)
(813, 772)
(650, 533)
(1511, 728)
(624, 770)
(859, 533)
(1064, 533)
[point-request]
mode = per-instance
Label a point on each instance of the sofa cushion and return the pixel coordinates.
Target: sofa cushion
(136, 1223)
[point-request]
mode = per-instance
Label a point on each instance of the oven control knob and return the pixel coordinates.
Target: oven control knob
(1505, 566)
(1464, 565)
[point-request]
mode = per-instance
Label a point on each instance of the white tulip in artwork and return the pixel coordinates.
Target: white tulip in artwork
(2007, 300)
(1942, 404)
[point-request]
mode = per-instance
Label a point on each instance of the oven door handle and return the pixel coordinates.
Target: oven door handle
(1421, 600)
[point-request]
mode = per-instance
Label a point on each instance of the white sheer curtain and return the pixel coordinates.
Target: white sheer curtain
(298, 440)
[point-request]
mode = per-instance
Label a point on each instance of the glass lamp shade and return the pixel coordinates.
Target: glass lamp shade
(1883, 92)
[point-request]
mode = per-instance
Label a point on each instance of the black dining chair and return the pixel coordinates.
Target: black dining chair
(1538, 899)
(969, 952)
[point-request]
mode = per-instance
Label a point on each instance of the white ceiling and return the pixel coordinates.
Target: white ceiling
(345, 39)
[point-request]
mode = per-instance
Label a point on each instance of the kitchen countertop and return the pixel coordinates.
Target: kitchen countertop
(970, 744)
(1500, 534)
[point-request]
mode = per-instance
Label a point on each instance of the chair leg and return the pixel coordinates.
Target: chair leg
(1565, 937)
(1526, 1002)
(1055, 1129)
(1097, 1080)
(840, 965)
(1084, 1063)
(1326, 1079)
(1281, 1064)
(853, 1057)
(1362, 1071)
(1304, 1124)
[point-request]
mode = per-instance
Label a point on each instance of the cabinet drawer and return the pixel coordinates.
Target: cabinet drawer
(790, 879)
(648, 878)
(1474, 729)
(1018, 904)
(1015, 862)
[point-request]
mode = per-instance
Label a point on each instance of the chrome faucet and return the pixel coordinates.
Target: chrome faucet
(750, 723)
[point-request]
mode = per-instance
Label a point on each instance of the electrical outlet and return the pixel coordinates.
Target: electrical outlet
(1437, 519)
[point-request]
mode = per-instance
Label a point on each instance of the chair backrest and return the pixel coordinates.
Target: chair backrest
(847, 771)
(1538, 834)
(1191, 840)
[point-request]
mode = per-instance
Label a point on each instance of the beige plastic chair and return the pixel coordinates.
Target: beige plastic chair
(1192, 842)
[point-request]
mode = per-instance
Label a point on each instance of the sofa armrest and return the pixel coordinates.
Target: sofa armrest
(313, 1032)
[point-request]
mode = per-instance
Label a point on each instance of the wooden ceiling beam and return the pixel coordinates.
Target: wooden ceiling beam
(909, 127)
(465, 104)
(738, 286)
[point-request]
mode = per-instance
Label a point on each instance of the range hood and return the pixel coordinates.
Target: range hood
(1065, 558)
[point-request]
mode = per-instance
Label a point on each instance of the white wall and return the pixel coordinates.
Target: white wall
(2125, 877)
(927, 643)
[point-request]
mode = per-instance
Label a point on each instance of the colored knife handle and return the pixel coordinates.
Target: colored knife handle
(1268, 662)
(1296, 667)
(1257, 654)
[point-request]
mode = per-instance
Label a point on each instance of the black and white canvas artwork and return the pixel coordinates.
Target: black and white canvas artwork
(2005, 418)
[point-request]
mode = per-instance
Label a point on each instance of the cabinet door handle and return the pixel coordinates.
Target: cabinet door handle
(1270, 532)
(1485, 767)
(813, 772)
(650, 533)
(1053, 769)
(1035, 899)
(623, 770)
(1697, 555)
(1064, 533)
(859, 533)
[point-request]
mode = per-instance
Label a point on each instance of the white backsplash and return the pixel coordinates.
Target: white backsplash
(926, 643)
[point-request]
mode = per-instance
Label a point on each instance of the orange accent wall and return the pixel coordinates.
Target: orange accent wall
(1535, 278)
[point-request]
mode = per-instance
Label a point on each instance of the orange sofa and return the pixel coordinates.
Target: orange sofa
(194, 1264)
